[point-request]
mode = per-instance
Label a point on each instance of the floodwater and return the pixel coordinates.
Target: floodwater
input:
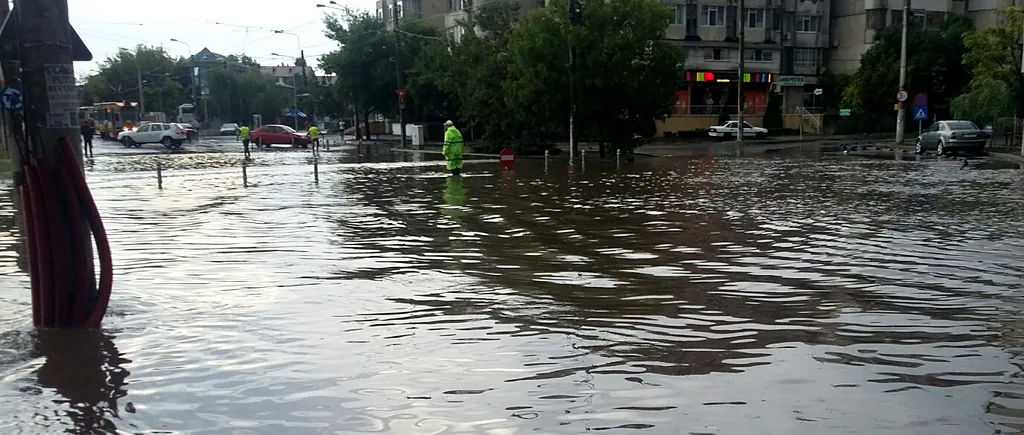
(712, 295)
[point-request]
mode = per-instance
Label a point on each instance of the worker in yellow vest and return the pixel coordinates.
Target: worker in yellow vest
(314, 138)
(243, 134)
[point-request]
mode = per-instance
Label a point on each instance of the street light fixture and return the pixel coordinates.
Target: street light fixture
(194, 75)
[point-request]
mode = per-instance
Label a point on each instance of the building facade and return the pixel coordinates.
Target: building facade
(430, 11)
(784, 45)
(857, 24)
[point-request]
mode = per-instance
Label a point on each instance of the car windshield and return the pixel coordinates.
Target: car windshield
(229, 126)
(961, 125)
(287, 129)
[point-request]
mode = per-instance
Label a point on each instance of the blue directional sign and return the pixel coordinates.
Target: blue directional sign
(10, 98)
(920, 113)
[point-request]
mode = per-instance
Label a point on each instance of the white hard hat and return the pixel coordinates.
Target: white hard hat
(448, 122)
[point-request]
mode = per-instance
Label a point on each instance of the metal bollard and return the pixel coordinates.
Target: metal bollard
(159, 176)
(583, 160)
(547, 154)
(245, 175)
(618, 158)
(316, 171)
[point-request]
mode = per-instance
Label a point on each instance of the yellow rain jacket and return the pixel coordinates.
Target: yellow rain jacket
(453, 148)
(243, 132)
(314, 132)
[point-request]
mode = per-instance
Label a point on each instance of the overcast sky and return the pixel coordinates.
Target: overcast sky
(244, 27)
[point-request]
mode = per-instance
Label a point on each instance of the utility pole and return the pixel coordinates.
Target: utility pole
(398, 71)
(902, 112)
(142, 99)
(1022, 73)
(739, 83)
(575, 18)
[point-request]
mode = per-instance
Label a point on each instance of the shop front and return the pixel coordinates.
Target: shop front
(707, 92)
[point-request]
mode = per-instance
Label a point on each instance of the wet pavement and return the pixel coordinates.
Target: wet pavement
(710, 295)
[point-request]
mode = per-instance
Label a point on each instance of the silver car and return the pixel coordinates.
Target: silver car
(950, 137)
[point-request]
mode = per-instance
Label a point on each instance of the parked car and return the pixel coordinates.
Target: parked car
(731, 129)
(171, 135)
(191, 132)
(277, 134)
(950, 137)
(229, 129)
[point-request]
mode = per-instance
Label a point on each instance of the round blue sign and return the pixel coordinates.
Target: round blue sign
(921, 99)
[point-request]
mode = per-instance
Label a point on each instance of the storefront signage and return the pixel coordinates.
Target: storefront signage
(791, 80)
(726, 77)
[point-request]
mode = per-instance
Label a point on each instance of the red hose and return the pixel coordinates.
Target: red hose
(106, 284)
(33, 260)
(41, 244)
(81, 283)
(57, 234)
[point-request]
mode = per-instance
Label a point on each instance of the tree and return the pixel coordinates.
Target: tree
(626, 73)
(934, 66)
(238, 89)
(165, 80)
(363, 63)
(995, 61)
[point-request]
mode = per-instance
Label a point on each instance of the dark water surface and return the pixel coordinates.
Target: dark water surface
(772, 295)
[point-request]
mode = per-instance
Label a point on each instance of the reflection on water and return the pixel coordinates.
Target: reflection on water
(708, 295)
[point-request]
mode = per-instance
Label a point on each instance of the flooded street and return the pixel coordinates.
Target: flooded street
(708, 295)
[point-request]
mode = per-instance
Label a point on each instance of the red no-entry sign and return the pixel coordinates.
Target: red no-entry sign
(401, 93)
(507, 157)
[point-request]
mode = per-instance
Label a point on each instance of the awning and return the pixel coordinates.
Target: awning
(295, 114)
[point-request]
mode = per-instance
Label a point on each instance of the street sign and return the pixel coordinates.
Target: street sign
(791, 80)
(817, 91)
(401, 94)
(844, 112)
(901, 96)
(11, 99)
(921, 99)
(920, 113)
(507, 157)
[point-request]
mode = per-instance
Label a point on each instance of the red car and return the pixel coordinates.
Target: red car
(277, 134)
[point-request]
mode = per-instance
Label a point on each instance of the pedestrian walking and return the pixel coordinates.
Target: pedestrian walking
(243, 134)
(452, 148)
(314, 137)
(88, 131)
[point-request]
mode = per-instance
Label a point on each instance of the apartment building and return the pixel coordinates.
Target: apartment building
(430, 11)
(784, 42)
(857, 24)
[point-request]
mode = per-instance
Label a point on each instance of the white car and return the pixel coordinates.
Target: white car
(229, 129)
(731, 129)
(171, 135)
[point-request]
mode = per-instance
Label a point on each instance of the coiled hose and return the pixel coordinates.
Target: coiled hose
(60, 264)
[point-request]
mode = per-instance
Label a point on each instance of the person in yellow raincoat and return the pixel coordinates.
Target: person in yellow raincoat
(452, 149)
(314, 138)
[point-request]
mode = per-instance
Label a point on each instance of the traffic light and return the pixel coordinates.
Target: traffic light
(575, 11)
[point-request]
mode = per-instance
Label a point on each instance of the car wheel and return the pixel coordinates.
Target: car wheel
(258, 142)
(167, 142)
(940, 148)
(918, 148)
(759, 135)
(727, 136)
(979, 150)
(129, 142)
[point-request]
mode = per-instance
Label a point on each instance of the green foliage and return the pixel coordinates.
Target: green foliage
(238, 90)
(934, 66)
(626, 73)
(165, 80)
(995, 61)
(773, 113)
(988, 100)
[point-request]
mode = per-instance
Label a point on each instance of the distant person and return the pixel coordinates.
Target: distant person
(314, 137)
(243, 134)
(452, 149)
(88, 131)
(103, 130)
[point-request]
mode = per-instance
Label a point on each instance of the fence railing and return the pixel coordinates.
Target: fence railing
(751, 109)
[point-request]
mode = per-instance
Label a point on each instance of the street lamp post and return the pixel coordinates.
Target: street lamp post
(902, 110)
(193, 74)
(302, 55)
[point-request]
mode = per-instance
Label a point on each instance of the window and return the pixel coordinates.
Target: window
(678, 14)
(807, 24)
(713, 16)
(759, 56)
(719, 54)
(143, 129)
(805, 57)
(755, 18)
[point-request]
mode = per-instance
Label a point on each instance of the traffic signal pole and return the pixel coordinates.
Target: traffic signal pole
(575, 18)
(901, 113)
(742, 22)
(398, 72)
